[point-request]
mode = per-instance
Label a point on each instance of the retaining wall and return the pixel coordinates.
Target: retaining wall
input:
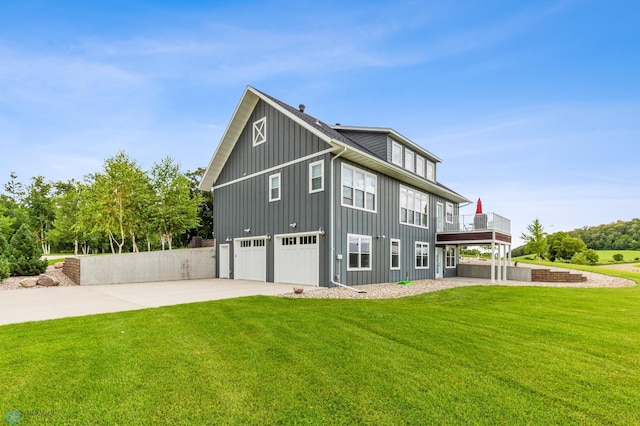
(167, 265)
(484, 271)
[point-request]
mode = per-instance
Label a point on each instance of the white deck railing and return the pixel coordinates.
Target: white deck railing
(475, 222)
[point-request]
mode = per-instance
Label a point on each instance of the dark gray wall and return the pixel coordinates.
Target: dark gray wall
(374, 142)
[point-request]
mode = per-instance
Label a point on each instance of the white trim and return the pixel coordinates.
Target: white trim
(399, 161)
(368, 237)
(311, 165)
(271, 187)
(260, 131)
(409, 165)
(446, 257)
(375, 189)
(395, 240)
(420, 194)
(415, 246)
(270, 169)
(420, 159)
(430, 175)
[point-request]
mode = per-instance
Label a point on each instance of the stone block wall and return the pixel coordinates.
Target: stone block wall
(548, 276)
(71, 269)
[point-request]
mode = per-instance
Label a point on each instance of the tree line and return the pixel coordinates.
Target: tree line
(619, 235)
(120, 208)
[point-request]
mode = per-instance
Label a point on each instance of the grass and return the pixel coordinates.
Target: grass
(629, 255)
(474, 355)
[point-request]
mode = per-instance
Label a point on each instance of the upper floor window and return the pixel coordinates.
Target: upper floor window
(359, 247)
(420, 166)
(414, 207)
(396, 153)
(274, 187)
(358, 188)
(449, 213)
(408, 160)
(431, 171)
(316, 176)
(260, 131)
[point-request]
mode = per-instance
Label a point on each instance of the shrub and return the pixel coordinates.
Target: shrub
(5, 270)
(579, 259)
(24, 254)
(618, 257)
(592, 256)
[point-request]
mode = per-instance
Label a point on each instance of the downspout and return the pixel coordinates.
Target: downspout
(332, 226)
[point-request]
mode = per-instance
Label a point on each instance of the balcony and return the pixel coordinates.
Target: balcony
(474, 229)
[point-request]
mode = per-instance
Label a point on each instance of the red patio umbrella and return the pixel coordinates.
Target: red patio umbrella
(479, 208)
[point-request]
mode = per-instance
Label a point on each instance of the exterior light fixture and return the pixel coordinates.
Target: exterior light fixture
(247, 230)
(228, 239)
(293, 225)
(321, 231)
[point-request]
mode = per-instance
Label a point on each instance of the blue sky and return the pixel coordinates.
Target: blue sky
(533, 106)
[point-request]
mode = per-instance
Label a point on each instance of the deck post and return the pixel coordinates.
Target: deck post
(493, 261)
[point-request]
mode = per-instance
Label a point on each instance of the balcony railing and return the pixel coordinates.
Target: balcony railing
(475, 222)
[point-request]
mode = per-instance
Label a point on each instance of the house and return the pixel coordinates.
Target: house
(299, 201)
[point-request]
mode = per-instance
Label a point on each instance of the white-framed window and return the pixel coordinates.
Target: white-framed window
(316, 176)
(260, 131)
(420, 166)
(449, 213)
(396, 153)
(422, 255)
(358, 189)
(274, 187)
(439, 217)
(409, 158)
(395, 255)
(431, 171)
(359, 249)
(450, 257)
(414, 208)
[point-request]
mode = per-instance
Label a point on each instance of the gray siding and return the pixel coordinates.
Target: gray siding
(374, 142)
(245, 204)
(386, 221)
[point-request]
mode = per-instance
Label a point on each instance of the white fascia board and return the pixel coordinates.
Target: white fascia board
(395, 135)
(399, 173)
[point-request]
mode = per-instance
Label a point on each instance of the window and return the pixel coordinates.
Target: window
(396, 153)
(274, 187)
(358, 189)
(422, 255)
(414, 208)
(431, 171)
(419, 165)
(316, 176)
(450, 257)
(408, 160)
(449, 213)
(359, 247)
(395, 254)
(260, 131)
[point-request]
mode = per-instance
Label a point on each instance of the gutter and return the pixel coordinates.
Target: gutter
(332, 226)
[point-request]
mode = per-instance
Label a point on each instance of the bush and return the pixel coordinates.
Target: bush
(24, 254)
(579, 259)
(5, 270)
(618, 257)
(592, 256)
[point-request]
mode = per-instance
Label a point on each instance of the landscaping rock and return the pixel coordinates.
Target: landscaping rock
(47, 281)
(58, 265)
(28, 282)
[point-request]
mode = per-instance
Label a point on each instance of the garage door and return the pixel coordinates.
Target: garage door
(296, 259)
(250, 259)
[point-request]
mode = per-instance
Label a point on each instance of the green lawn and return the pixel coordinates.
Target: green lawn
(629, 255)
(474, 355)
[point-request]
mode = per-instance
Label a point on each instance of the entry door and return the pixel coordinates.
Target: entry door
(223, 258)
(439, 257)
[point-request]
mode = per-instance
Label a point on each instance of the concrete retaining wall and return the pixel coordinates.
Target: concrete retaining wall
(168, 265)
(484, 271)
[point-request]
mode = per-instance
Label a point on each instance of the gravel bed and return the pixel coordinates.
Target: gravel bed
(13, 283)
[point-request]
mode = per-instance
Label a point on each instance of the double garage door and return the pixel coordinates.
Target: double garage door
(295, 259)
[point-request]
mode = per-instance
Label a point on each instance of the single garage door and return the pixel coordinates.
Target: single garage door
(296, 259)
(250, 259)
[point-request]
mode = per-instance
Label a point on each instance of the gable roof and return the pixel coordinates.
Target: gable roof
(347, 147)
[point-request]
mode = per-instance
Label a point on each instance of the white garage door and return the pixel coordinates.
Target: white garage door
(250, 259)
(296, 259)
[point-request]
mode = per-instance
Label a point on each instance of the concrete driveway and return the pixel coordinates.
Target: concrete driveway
(59, 302)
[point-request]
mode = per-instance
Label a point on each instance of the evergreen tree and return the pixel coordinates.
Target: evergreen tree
(535, 239)
(24, 254)
(5, 270)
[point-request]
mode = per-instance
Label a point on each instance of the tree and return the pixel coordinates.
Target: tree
(535, 239)
(592, 256)
(176, 208)
(12, 215)
(118, 200)
(563, 246)
(24, 254)
(14, 188)
(205, 210)
(41, 209)
(5, 269)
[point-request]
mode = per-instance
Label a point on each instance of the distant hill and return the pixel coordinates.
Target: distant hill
(613, 236)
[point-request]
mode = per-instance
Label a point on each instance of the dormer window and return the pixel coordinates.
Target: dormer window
(431, 171)
(260, 131)
(409, 157)
(420, 166)
(396, 153)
